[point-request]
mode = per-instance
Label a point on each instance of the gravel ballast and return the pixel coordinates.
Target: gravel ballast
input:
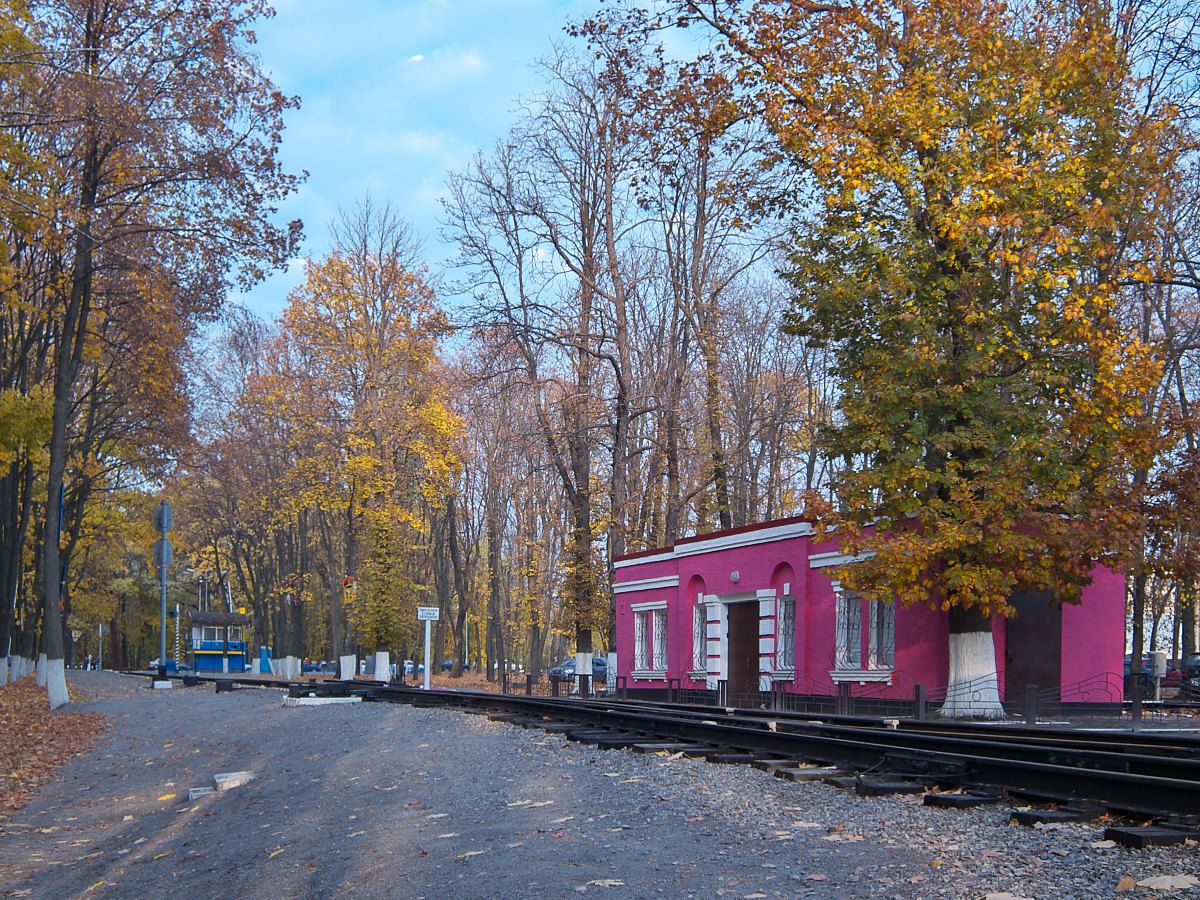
(387, 800)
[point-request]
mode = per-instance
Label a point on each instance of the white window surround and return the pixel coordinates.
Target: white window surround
(785, 638)
(648, 605)
(699, 638)
(649, 640)
(852, 670)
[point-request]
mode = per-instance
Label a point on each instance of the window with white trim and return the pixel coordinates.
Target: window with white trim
(847, 652)
(659, 645)
(883, 635)
(641, 641)
(785, 634)
(880, 637)
(699, 638)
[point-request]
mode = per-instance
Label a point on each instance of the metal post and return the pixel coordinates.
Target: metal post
(162, 616)
(1031, 704)
(427, 623)
(99, 645)
(843, 698)
(920, 703)
(528, 684)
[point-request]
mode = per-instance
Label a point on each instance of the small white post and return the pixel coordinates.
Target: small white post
(427, 623)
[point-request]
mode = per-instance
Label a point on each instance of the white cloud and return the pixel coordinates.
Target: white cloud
(416, 58)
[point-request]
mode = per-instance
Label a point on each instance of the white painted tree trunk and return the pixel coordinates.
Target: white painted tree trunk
(3, 670)
(41, 671)
(972, 689)
(383, 666)
(26, 666)
(56, 683)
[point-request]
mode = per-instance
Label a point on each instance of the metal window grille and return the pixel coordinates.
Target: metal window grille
(640, 642)
(785, 637)
(660, 640)
(883, 635)
(699, 638)
(848, 649)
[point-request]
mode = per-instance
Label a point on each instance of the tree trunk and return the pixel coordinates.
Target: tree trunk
(460, 589)
(972, 684)
(1137, 598)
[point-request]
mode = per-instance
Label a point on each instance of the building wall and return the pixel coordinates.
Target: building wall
(1093, 632)
(1093, 647)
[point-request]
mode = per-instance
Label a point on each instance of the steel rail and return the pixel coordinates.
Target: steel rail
(1147, 784)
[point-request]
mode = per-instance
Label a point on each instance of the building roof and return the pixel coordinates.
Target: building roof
(216, 617)
(757, 526)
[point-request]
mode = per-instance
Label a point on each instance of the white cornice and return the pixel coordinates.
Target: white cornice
(820, 560)
(646, 584)
(640, 560)
(723, 542)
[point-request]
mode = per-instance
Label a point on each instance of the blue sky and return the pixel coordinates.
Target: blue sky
(394, 94)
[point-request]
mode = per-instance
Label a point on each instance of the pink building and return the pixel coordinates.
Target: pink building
(762, 607)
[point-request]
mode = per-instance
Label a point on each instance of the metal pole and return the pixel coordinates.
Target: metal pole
(426, 654)
(99, 645)
(162, 617)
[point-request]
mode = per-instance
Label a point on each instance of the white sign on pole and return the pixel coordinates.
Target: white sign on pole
(428, 614)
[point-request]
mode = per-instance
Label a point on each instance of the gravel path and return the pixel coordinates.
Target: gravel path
(383, 800)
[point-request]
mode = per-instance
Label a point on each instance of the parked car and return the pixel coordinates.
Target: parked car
(1145, 678)
(1189, 684)
(565, 670)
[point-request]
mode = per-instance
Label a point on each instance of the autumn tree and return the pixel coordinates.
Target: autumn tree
(973, 170)
(160, 134)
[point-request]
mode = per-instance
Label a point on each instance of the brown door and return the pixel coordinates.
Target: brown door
(1033, 644)
(743, 654)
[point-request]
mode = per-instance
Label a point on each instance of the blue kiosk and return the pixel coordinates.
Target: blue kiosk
(218, 641)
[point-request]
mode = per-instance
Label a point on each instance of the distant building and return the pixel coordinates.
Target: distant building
(218, 641)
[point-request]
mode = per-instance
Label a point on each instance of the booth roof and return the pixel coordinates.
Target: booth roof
(216, 617)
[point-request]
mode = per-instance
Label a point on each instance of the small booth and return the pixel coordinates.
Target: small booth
(218, 642)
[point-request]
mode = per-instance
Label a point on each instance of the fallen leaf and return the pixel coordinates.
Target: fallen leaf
(167, 797)
(161, 855)
(275, 853)
(817, 876)
(1126, 883)
(1169, 882)
(1102, 845)
(606, 882)
(469, 854)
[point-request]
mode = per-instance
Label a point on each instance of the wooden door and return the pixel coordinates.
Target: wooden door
(743, 654)
(1033, 644)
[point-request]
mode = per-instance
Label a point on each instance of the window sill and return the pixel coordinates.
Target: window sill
(698, 674)
(648, 676)
(783, 674)
(862, 676)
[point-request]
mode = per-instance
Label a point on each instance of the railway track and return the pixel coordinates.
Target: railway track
(1083, 774)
